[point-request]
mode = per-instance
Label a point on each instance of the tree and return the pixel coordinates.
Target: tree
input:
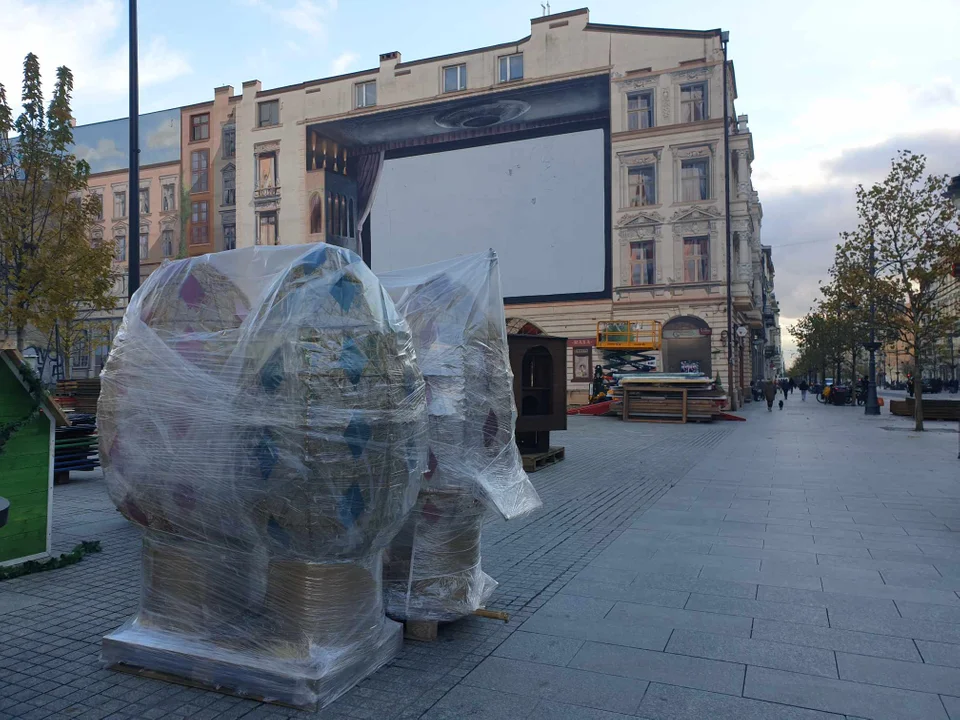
(48, 267)
(901, 256)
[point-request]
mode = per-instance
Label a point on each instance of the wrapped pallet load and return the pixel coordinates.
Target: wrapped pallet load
(262, 418)
(455, 312)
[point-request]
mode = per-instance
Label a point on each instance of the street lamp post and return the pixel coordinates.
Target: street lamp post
(133, 184)
(872, 407)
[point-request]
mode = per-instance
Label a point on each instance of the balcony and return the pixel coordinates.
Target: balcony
(268, 192)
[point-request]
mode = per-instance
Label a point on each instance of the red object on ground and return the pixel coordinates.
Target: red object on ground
(600, 408)
(730, 416)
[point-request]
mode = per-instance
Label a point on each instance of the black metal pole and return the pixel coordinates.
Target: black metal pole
(871, 406)
(724, 39)
(133, 183)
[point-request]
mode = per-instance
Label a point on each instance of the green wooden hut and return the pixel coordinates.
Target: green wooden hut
(26, 466)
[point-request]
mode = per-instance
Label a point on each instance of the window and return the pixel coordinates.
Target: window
(120, 247)
(200, 127)
(120, 204)
(640, 111)
(267, 170)
(696, 259)
(144, 244)
(199, 229)
(229, 237)
(367, 94)
(455, 78)
(511, 67)
(642, 267)
(695, 180)
(267, 229)
(80, 357)
(168, 197)
(642, 185)
(145, 201)
(229, 185)
(268, 113)
(98, 194)
(229, 141)
(166, 240)
(96, 238)
(316, 214)
(199, 162)
(693, 102)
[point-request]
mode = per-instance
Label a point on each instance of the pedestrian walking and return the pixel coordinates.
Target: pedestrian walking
(769, 393)
(804, 386)
(793, 385)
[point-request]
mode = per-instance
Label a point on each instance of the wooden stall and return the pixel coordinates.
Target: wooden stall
(539, 366)
(26, 456)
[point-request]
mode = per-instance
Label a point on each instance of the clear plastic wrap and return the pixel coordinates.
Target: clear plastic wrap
(262, 417)
(455, 312)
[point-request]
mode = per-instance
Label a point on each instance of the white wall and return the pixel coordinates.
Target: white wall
(538, 202)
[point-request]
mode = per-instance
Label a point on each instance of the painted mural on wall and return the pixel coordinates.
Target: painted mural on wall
(106, 145)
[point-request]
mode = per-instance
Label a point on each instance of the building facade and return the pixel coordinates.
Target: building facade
(302, 163)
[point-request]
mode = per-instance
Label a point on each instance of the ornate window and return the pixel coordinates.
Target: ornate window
(693, 102)
(120, 203)
(642, 185)
(120, 246)
(230, 237)
(168, 196)
(696, 259)
(640, 110)
(228, 142)
(642, 266)
(144, 243)
(267, 229)
(695, 179)
(229, 185)
(145, 201)
(166, 242)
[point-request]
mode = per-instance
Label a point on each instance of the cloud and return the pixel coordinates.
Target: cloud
(343, 62)
(88, 36)
(866, 164)
(166, 134)
(307, 16)
(803, 225)
(104, 151)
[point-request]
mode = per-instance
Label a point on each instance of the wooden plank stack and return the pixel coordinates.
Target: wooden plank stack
(670, 398)
(75, 447)
(79, 395)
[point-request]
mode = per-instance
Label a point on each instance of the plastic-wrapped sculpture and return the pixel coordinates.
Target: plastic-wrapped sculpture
(455, 312)
(262, 419)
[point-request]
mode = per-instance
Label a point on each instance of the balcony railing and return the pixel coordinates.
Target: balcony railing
(268, 191)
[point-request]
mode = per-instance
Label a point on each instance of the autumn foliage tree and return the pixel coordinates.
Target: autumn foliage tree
(49, 271)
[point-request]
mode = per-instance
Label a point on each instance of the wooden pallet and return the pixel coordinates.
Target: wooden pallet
(538, 461)
(198, 685)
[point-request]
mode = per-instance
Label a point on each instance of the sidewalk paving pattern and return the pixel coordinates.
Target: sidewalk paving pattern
(804, 565)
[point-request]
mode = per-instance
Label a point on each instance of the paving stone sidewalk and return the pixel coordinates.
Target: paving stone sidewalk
(803, 565)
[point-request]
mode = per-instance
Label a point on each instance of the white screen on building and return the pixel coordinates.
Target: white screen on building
(538, 202)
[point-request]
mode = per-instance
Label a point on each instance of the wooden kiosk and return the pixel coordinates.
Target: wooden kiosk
(27, 461)
(539, 366)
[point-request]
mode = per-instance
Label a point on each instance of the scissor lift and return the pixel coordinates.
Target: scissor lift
(626, 345)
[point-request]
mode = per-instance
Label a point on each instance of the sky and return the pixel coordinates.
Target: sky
(832, 87)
